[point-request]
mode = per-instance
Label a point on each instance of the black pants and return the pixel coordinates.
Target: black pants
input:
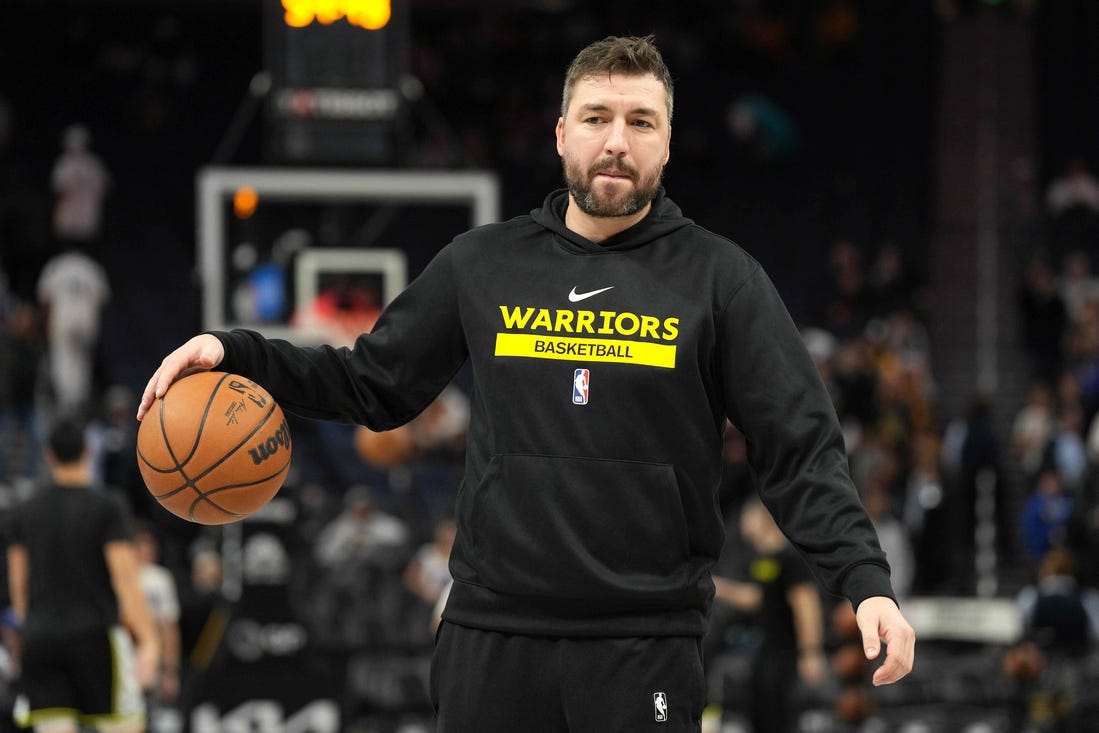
(490, 682)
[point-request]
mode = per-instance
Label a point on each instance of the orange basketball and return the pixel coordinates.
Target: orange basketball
(384, 449)
(214, 449)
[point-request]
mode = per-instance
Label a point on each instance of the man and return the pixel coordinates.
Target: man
(159, 586)
(74, 585)
(774, 583)
(73, 289)
(587, 521)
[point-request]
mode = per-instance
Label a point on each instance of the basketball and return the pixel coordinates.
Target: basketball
(214, 449)
(384, 449)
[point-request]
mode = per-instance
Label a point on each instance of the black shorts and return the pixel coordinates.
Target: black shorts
(88, 679)
(492, 682)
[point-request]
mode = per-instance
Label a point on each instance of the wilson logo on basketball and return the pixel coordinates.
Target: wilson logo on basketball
(269, 447)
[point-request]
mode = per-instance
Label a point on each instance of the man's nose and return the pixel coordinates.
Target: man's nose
(617, 143)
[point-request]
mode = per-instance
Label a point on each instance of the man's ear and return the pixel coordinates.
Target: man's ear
(559, 131)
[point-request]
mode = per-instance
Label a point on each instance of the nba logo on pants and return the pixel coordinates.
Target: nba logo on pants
(580, 386)
(660, 707)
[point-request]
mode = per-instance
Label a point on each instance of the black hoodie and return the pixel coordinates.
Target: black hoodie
(603, 374)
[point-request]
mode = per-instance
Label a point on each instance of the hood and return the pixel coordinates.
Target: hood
(663, 218)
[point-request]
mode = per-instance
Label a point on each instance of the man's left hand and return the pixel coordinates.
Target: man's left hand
(880, 621)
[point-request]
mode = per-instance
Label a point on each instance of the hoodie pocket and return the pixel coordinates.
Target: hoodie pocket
(580, 528)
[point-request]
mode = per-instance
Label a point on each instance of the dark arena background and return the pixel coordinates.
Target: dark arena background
(917, 176)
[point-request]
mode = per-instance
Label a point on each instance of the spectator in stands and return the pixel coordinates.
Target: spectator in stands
(361, 553)
(901, 398)
(428, 573)
(893, 536)
(1067, 388)
(849, 303)
(117, 444)
(1084, 340)
(907, 338)
(891, 283)
(1045, 515)
(856, 383)
(203, 611)
(852, 704)
(1058, 612)
(925, 514)
(1060, 629)
(1083, 531)
(1044, 318)
(1066, 450)
(1032, 429)
(978, 459)
(1072, 206)
(360, 533)
(1075, 187)
(1077, 284)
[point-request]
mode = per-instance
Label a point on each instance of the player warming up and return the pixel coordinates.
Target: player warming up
(73, 574)
(610, 337)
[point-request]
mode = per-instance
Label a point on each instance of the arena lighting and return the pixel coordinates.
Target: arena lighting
(369, 14)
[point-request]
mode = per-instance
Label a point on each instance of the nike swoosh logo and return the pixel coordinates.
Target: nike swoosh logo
(576, 297)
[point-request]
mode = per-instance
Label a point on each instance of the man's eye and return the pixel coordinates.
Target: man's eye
(642, 123)
(593, 120)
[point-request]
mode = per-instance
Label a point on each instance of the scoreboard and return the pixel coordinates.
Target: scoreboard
(336, 70)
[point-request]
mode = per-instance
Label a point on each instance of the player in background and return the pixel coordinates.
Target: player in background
(73, 575)
(159, 586)
(776, 586)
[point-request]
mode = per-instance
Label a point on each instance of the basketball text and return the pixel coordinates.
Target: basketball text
(267, 448)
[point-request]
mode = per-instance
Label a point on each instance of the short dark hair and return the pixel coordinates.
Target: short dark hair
(66, 440)
(629, 55)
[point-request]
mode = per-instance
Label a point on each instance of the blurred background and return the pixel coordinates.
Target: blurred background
(917, 176)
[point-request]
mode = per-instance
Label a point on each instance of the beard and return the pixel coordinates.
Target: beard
(607, 202)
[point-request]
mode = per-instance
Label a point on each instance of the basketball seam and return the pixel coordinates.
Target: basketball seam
(190, 482)
(218, 462)
(206, 497)
(201, 424)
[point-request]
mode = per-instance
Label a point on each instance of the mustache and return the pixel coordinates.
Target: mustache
(610, 164)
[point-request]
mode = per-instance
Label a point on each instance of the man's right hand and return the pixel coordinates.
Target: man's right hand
(199, 354)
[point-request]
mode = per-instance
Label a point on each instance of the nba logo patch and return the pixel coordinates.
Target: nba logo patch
(660, 707)
(580, 379)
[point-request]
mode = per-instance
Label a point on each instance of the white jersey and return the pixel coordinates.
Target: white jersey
(160, 590)
(75, 287)
(81, 182)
